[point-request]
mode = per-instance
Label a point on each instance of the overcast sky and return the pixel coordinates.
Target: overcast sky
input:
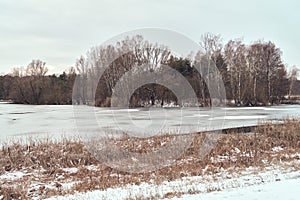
(59, 31)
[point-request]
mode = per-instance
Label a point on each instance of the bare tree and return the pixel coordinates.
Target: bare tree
(254, 58)
(36, 68)
(293, 74)
(212, 46)
(81, 84)
(113, 61)
(30, 82)
(36, 71)
(235, 57)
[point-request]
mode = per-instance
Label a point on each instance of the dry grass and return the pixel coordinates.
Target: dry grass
(44, 163)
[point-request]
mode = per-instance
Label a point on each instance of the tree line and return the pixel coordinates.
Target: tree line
(252, 75)
(31, 85)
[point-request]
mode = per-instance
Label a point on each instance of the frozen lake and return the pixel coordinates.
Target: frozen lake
(22, 121)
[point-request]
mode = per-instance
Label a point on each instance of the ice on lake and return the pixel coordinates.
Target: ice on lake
(23, 121)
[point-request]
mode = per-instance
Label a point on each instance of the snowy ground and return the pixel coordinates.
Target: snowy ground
(286, 189)
(252, 183)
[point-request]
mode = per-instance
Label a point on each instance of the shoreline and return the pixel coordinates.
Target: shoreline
(66, 167)
(166, 106)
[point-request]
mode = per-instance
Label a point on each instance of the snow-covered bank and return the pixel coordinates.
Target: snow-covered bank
(45, 169)
(239, 185)
(286, 189)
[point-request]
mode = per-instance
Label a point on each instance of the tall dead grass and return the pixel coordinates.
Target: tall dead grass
(232, 152)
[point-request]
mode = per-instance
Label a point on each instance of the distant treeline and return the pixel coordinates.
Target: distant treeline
(31, 85)
(252, 75)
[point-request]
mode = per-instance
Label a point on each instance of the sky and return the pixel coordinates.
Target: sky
(59, 31)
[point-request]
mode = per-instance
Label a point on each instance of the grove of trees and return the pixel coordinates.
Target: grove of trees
(31, 85)
(252, 74)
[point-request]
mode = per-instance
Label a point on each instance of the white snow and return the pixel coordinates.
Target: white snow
(70, 170)
(277, 149)
(250, 184)
(13, 175)
(286, 189)
(92, 167)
